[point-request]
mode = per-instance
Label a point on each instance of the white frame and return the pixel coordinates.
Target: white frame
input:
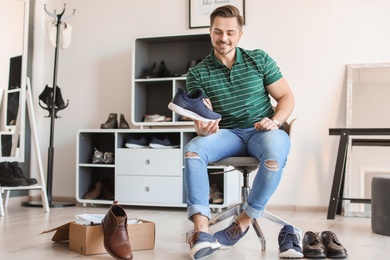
(17, 154)
(348, 210)
(200, 10)
(350, 69)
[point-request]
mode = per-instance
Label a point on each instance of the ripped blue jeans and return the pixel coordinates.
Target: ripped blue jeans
(270, 147)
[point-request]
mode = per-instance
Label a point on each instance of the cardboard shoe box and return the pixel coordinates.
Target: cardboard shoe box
(88, 240)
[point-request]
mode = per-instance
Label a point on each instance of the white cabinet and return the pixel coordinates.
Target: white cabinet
(147, 176)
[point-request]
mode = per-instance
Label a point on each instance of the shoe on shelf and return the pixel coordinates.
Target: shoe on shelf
(334, 249)
(111, 123)
(162, 143)
(185, 118)
(133, 142)
(17, 172)
(123, 123)
(192, 106)
(98, 156)
(108, 157)
(95, 192)
(312, 245)
(230, 235)
(158, 70)
(103, 189)
(215, 197)
(202, 244)
(191, 64)
(154, 118)
(289, 246)
(8, 179)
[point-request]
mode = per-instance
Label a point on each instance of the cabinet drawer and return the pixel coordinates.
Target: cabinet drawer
(156, 162)
(148, 190)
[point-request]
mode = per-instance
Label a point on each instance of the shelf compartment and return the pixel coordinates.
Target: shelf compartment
(102, 141)
(87, 179)
(151, 97)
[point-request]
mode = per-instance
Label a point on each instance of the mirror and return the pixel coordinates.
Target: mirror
(368, 92)
(13, 61)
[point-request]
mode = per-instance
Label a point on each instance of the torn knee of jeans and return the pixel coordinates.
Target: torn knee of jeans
(271, 165)
(191, 155)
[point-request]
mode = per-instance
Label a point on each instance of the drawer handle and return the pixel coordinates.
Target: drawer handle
(147, 189)
(147, 162)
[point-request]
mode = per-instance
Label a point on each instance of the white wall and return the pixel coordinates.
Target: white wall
(312, 41)
(11, 28)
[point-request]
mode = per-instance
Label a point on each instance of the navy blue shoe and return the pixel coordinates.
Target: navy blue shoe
(192, 106)
(289, 246)
(162, 143)
(230, 235)
(132, 142)
(202, 244)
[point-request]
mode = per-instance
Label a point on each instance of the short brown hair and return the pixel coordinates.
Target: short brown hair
(227, 11)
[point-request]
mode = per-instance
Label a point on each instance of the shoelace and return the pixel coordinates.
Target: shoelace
(317, 237)
(234, 231)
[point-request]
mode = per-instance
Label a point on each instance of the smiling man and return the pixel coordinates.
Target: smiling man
(237, 84)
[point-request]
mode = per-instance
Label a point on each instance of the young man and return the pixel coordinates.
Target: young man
(237, 84)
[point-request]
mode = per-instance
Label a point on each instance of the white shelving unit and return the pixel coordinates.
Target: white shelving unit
(146, 176)
(150, 177)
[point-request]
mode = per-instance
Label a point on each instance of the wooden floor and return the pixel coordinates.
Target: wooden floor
(21, 227)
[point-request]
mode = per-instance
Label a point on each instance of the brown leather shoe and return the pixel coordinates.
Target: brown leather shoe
(312, 246)
(334, 249)
(116, 239)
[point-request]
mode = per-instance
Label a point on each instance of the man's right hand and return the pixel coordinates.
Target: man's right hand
(205, 129)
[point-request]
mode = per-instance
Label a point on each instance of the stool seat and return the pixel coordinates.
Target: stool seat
(380, 205)
(237, 162)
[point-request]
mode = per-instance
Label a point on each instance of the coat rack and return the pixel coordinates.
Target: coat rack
(53, 109)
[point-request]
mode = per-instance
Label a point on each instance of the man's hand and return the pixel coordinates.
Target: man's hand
(266, 124)
(205, 129)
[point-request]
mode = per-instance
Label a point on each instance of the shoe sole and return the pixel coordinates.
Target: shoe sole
(204, 249)
(291, 253)
(184, 112)
(314, 255)
(337, 256)
(137, 146)
(160, 146)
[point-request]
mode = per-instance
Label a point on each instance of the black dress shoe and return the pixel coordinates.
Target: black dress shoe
(334, 249)
(123, 123)
(312, 246)
(111, 123)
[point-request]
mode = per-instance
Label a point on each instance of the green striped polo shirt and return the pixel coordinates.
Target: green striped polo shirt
(239, 94)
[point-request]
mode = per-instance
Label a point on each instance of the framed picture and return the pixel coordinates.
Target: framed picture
(200, 11)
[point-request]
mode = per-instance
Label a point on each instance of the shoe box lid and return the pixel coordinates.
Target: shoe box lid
(88, 239)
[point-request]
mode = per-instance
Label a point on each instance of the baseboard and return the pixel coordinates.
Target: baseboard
(269, 207)
(298, 208)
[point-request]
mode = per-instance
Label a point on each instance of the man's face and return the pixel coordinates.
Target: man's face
(225, 34)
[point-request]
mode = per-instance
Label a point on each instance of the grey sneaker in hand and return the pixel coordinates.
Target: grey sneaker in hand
(192, 106)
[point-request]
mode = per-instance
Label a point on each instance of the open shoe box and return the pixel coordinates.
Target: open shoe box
(88, 240)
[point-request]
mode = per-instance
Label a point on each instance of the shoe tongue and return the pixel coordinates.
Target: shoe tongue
(288, 229)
